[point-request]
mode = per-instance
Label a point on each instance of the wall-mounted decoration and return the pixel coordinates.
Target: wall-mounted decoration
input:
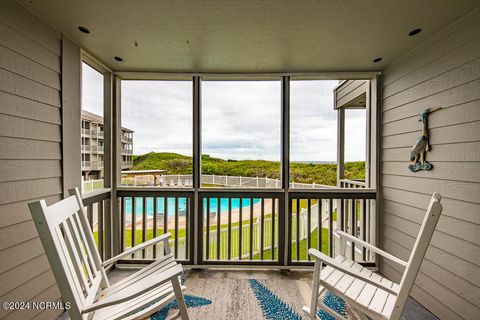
(420, 149)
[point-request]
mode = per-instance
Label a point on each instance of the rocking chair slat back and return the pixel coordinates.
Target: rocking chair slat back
(71, 250)
(370, 293)
(78, 245)
(418, 253)
(88, 239)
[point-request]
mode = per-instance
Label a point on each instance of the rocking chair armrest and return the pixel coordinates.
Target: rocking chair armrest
(322, 258)
(163, 237)
(370, 247)
(137, 289)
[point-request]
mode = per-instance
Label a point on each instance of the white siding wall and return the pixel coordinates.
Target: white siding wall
(30, 153)
(443, 72)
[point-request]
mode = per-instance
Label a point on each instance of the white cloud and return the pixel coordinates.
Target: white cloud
(160, 113)
(313, 122)
(92, 90)
(355, 135)
(241, 119)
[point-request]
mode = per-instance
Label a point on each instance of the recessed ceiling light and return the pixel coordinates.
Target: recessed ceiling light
(377, 60)
(118, 59)
(83, 29)
(414, 32)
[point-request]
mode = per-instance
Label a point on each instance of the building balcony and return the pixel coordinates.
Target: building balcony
(347, 183)
(127, 164)
(126, 139)
(86, 148)
(86, 165)
(99, 133)
(96, 165)
(127, 151)
(85, 132)
(97, 149)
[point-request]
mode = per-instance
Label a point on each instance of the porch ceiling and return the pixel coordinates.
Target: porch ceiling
(226, 36)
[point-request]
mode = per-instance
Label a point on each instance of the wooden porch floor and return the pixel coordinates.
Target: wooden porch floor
(413, 309)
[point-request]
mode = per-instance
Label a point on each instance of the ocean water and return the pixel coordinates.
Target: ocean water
(182, 205)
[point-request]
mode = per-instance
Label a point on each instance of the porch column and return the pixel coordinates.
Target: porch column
(116, 165)
(340, 145)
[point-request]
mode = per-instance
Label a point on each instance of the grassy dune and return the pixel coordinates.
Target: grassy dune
(323, 173)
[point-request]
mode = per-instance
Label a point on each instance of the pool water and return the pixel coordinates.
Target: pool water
(182, 205)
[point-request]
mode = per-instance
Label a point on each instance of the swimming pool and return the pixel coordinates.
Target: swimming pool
(182, 205)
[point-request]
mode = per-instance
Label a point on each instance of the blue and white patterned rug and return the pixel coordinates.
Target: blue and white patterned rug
(269, 299)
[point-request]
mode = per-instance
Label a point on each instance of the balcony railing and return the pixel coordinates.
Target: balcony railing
(85, 132)
(144, 215)
(85, 148)
(97, 149)
(245, 227)
(85, 164)
(126, 139)
(347, 183)
(100, 219)
(241, 227)
(127, 151)
(316, 216)
(97, 165)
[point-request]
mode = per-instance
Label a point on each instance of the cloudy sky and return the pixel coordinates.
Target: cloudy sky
(92, 90)
(240, 119)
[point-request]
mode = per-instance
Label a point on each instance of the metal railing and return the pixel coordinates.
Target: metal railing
(85, 164)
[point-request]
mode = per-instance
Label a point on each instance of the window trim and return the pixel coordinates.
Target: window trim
(107, 74)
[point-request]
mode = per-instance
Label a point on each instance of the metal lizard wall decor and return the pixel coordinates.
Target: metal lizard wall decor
(419, 150)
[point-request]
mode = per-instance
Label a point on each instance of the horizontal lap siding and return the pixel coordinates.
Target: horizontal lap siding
(348, 91)
(30, 157)
(443, 72)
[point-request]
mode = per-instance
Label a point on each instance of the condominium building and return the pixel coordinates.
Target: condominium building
(93, 146)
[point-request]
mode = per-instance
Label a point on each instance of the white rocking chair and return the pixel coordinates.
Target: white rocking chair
(80, 274)
(368, 292)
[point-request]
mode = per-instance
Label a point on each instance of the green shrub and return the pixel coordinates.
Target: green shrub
(322, 173)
